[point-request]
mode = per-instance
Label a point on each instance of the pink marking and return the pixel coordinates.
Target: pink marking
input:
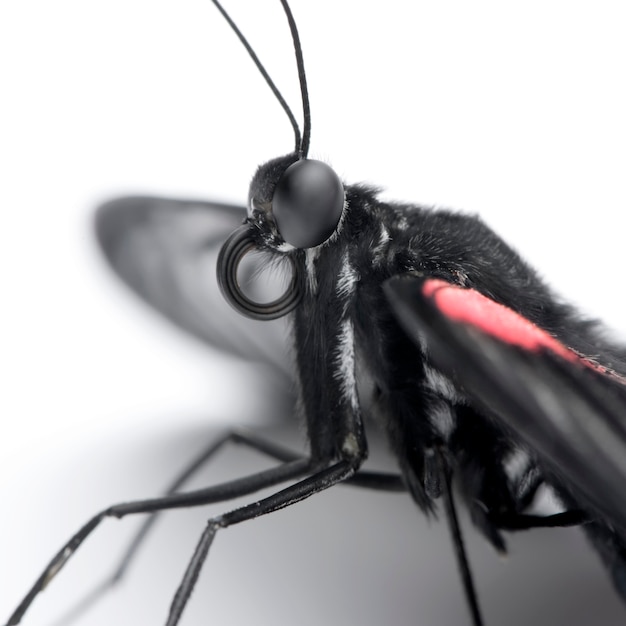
(471, 307)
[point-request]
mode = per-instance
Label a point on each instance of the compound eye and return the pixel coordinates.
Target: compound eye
(307, 203)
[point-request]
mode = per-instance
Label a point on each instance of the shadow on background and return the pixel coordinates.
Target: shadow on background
(347, 556)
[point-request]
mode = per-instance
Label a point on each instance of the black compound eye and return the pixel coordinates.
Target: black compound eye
(307, 203)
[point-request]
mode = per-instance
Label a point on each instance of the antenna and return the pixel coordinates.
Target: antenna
(306, 108)
(302, 141)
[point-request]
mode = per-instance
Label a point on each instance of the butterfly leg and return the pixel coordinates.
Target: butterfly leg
(369, 480)
(457, 539)
(301, 490)
(240, 437)
(217, 493)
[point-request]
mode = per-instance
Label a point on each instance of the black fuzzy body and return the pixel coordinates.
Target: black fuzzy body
(346, 326)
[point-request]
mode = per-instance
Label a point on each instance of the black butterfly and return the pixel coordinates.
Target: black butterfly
(454, 398)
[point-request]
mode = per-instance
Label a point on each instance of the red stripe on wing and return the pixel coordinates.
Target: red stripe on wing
(468, 306)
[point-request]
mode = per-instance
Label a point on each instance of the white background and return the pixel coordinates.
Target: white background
(512, 112)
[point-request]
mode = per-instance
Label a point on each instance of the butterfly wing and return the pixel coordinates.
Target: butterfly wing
(567, 409)
(166, 251)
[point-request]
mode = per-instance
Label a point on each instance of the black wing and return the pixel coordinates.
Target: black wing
(570, 411)
(166, 251)
(567, 409)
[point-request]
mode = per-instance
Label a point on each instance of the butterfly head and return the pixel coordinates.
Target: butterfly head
(295, 203)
